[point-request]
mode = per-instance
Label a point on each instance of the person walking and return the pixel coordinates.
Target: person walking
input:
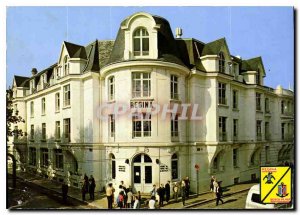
(129, 198)
(183, 192)
(110, 195)
(92, 186)
(175, 191)
(211, 186)
(168, 190)
(84, 188)
(218, 194)
(187, 186)
(64, 189)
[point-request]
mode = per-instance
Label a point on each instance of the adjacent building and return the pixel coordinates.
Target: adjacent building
(109, 109)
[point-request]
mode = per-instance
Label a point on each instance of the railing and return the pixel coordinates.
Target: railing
(222, 136)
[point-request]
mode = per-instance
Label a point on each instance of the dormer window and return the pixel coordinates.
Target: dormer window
(141, 42)
(221, 62)
(66, 66)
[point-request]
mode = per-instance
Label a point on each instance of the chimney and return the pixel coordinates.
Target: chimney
(34, 71)
(178, 32)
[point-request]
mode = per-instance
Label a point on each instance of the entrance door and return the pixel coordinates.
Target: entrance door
(142, 173)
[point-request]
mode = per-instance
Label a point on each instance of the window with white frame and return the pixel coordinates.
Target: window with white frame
(235, 157)
(174, 166)
(57, 130)
(67, 95)
(111, 88)
(113, 166)
(174, 125)
(222, 129)
(258, 129)
(174, 87)
(141, 42)
(43, 131)
(267, 105)
(32, 156)
(67, 129)
(66, 66)
(112, 125)
(221, 62)
(44, 157)
(141, 123)
(32, 109)
(235, 99)
(258, 101)
(43, 106)
(57, 102)
(222, 93)
(59, 159)
(141, 84)
(235, 129)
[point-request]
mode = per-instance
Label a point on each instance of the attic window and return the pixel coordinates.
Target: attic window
(141, 42)
(66, 66)
(221, 62)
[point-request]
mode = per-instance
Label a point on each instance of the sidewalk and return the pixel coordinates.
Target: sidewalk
(100, 202)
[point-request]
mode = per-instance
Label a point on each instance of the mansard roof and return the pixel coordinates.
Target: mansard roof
(21, 81)
(214, 47)
(75, 51)
(252, 64)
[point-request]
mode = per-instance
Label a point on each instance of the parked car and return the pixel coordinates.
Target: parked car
(253, 200)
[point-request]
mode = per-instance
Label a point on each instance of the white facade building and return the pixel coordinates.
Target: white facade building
(243, 124)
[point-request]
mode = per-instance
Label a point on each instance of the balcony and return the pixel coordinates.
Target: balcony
(222, 136)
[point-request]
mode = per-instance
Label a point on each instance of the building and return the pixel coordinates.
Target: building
(81, 116)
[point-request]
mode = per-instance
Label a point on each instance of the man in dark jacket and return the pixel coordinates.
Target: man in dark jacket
(167, 188)
(161, 193)
(92, 186)
(64, 189)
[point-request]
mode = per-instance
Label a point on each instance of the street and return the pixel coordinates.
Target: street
(237, 201)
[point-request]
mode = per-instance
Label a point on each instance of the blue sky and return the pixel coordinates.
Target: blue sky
(35, 34)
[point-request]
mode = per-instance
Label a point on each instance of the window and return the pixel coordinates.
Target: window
(66, 66)
(267, 131)
(141, 84)
(174, 166)
(174, 125)
(32, 156)
(282, 131)
(141, 125)
(235, 129)
(31, 132)
(57, 102)
(43, 106)
(258, 101)
(57, 130)
(258, 130)
(43, 131)
(44, 157)
(32, 109)
(112, 125)
(67, 129)
(67, 95)
(258, 77)
(141, 42)
(234, 99)
(113, 166)
(235, 157)
(221, 62)
(267, 105)
(59, 159)
(282, 106)
(174, 87)
(267, 150)
(222, 93)
(111, 88)
(222, 129)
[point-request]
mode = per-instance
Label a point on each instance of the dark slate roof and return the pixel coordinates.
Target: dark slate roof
(92, 53)
(105, 48)
(75, 51)
(252, 64)
(21, 81)
(167, 48)
(213, 47)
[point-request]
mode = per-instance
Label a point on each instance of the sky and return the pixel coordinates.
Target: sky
(34, 35)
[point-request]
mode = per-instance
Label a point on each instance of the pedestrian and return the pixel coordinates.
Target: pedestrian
(187, 186)
(129, 198)
(64, 190)
(125, 193)
(168, 190)
(153, 191)
(175, 191)
(215, 184)
(152, 202)
(120, 200)
(183, 192)
(161, 193)
(211, 186)
(110, 195)
(137, 203)
(92, 186)
(218, 194)
(84, 188)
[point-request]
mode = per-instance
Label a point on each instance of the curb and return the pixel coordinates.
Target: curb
(211, 200)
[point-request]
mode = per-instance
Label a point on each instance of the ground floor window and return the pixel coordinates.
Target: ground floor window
(32, 156)
(174, 165)
(59, 159)
(113, 166)
(44, 157)
(142, 169)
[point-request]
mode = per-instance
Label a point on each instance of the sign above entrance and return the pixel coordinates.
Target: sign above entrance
(197, 167)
